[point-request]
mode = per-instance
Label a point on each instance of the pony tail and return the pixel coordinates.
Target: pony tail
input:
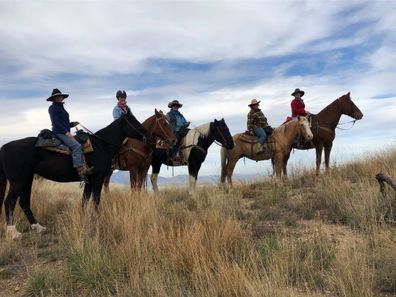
(3, 183)
(224, 163)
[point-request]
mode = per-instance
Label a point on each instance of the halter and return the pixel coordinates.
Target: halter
(222, 136)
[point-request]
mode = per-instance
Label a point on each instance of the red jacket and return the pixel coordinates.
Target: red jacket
(298, 108)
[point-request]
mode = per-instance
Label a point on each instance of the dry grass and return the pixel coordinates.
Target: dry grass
(329, 237)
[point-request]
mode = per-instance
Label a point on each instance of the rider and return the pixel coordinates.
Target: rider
(61, 127)
(121, 107)
(297, 104)
(256, 122)
(298, 109)
(178, 123)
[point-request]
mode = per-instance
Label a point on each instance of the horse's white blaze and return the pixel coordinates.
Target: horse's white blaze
(192, 138)
(38, 227)
(12, 232)
(307, 129)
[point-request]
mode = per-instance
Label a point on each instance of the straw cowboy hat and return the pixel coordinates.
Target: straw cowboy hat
(254, 102)
(56, 93)
(174, 103)
(298, 91)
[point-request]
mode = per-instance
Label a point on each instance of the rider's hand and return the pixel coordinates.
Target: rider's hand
(68, 134)
(188, 123)
(73, 124)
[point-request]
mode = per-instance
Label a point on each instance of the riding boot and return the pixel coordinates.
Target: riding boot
(84, 171)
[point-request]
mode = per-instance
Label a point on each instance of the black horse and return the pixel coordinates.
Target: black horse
(20, 160)
(195, 148)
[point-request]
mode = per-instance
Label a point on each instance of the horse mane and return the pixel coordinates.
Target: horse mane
(203, 129)
(281, 129)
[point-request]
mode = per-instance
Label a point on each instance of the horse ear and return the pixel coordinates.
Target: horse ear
(222, 119)
(215, 121)
(349, 94)
(156, 111)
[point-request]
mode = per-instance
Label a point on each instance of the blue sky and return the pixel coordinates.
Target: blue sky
(213, 56)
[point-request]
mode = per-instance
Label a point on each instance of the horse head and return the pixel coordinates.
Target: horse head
(134, 129)
(304, 128)
(222, 134)
(162, 128)
(349, 108)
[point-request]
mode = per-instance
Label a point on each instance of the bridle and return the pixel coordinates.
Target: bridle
(222, 137)
(160, 125)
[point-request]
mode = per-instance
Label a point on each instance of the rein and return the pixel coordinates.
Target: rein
(353, 123)
(98, 137)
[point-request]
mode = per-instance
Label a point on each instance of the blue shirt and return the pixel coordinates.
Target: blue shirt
(177, 120)
(118, 112)
(59, 118)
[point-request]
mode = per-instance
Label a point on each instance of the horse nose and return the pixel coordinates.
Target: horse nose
(359, 116)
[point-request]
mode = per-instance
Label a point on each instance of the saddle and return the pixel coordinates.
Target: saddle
(48, 141)
(249, 138)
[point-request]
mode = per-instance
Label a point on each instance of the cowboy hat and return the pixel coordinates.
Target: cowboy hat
(56, 93)
(174, 103)
(298, 91)
(254, 102)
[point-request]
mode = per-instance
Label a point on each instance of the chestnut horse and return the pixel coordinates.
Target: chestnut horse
(323, 127)
(277, 146)
(135, 156)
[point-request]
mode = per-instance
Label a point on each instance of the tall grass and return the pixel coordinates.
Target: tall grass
(328, 237)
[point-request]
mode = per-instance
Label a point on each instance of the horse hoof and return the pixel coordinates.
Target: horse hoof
(38, 228)
(12, 233)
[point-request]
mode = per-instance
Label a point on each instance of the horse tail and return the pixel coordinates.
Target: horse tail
(3, 181)
(224, 163)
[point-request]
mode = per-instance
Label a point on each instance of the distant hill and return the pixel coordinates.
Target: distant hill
(122, 177)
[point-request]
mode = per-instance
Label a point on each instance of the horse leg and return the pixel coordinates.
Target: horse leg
(106, 181)
(142, 178)
(24, 203)
(230, 169)
(285, 160)
(327, 150)
(319, 149)
(9, 203)
(96, 191)
(278, 161)
(193, 168)
(86, 194)
(156, 166)
(133, 178)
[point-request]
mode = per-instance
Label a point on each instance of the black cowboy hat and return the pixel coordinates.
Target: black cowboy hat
(56, 93)
(174, 103)
(298, 91)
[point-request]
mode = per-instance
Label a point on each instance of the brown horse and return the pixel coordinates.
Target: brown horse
(323, 127)
(135, 156)
(278, 146)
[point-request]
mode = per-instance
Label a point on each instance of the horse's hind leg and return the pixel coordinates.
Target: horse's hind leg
(9, 203)
(319, 149)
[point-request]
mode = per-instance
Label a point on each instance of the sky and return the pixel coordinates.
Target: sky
(213, 56)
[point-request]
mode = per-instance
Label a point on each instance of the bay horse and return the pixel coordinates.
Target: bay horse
(323, 127)
(135, 156)
(194, 150)
(277, 147)
(20, 160)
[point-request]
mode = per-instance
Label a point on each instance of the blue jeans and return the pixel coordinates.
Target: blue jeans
(260, 133)
(75, 147)
(175, 147)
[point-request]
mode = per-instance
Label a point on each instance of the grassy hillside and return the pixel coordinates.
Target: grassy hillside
(334, 236)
